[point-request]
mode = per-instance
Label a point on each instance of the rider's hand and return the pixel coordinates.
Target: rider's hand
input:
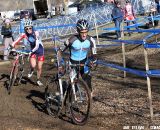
(30, 53)
(10, 47)
(93, 63)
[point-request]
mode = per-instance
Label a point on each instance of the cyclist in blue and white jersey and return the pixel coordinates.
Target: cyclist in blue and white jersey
(79, 46)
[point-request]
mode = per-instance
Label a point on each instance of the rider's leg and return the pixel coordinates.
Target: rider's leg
(87, 78)
(39, 69)
(32, 65)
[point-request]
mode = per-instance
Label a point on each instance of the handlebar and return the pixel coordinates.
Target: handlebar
(25, 52)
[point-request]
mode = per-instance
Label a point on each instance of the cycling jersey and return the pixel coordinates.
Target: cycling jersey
(79, 49)
(34, 41)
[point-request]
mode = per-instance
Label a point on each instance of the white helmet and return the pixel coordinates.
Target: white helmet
(27, 23)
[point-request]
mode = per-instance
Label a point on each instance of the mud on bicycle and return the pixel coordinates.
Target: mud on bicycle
(69, 93)
(17, 70)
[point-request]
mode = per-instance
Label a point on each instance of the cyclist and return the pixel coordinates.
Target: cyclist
(37, 49)
(79, 46)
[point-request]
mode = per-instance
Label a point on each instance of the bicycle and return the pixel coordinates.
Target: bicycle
(72, 93)
(17, 70)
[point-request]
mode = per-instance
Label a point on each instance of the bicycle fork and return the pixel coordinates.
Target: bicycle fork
(62, 101)
(75, 87)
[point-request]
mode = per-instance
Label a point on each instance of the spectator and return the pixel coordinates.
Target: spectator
(117, 15)
(6, 31)
(153, 12)
(24, 19)
(129, 15)
(158, 6)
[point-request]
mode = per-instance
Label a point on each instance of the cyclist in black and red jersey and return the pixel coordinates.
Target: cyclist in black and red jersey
(37, 49)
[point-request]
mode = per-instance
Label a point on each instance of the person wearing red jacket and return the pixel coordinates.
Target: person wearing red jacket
(129, 15)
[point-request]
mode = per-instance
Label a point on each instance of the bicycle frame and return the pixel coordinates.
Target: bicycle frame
(18, 65)
(76, 92)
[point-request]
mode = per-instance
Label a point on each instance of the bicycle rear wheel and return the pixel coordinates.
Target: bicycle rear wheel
(81, 105)
(13, 76)
(52, 97)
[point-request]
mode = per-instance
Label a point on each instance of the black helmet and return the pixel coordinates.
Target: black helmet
(82, 24)
(127, 1)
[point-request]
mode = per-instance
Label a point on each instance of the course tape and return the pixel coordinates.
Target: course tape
(59, 26)
(145, 30)
(133, 71)
(110, 45)
(146, 45)
(150, 35)
(134, 25)
(128, 41)
(152, 45)
(125, 27)
(153, 72)
(129, 70)
(111, 29)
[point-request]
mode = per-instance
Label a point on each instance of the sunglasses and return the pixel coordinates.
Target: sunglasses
(29, 28)
(84, 32)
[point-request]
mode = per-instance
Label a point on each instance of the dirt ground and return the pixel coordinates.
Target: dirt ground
(119, 103)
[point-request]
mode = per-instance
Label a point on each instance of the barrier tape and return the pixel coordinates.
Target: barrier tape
(133, 71)
(129, 41)
(145, 30)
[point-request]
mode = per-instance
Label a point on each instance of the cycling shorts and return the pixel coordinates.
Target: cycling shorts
(40, 58)
(130, 17)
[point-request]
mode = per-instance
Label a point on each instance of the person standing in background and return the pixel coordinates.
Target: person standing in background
(158, 6)
(129, 15)
(6, 31)
(117, 15)
(26, 17)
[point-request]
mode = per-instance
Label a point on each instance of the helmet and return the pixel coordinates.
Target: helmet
(27, 23)
(127, 1)
(82, 24)
(27, 13)
(7, 21)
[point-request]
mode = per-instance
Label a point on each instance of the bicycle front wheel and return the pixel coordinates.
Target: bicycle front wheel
(13, 76)
(80, 102)
(52, 97)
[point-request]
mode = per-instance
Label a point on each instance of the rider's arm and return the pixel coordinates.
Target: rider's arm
(22, 36)
(93, 48)
(69, 42)
(37, 42)
(66, 44)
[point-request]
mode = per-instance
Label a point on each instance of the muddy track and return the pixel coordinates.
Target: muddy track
(118, 102)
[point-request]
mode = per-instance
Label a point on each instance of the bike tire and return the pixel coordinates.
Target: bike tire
(12, 79)
(80, 109)
(20, 75)
(51, 99)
